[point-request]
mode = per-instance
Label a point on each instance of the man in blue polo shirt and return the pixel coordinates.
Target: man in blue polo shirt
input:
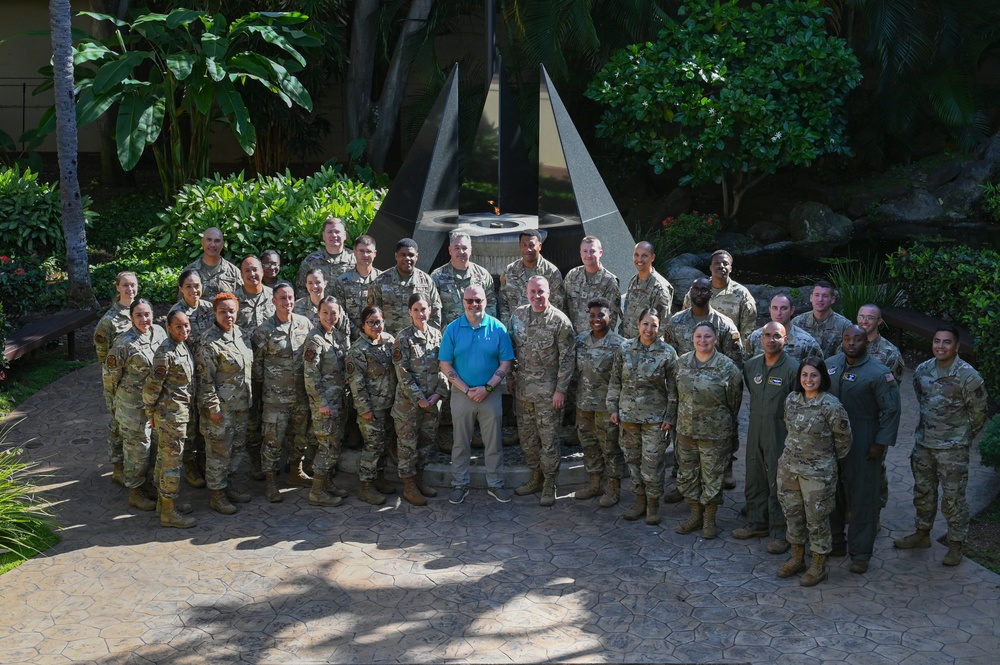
(476, 354)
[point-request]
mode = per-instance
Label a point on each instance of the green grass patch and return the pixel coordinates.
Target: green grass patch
(983, 544)
(27, 376)
(37, 537)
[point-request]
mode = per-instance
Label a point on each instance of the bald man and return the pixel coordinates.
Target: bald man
(217, 274)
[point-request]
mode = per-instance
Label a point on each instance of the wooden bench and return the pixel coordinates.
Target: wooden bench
(38, 334)
(908, 320)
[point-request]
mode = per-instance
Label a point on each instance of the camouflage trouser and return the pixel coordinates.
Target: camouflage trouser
(329, 434)
(224, 446)
(135, 447)
(254, 414)
(194, 447)
(701, 464)
(599, 438)
(281, 422)
(170, 439)
(807, 502)
(416, 435)
(115, 453)
(377, 434)
(950, 468)
(538, 426)
(643, 446)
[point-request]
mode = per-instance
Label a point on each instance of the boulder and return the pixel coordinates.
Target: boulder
(816, 222)
(681, 271)
(767, 233)
(965, 191)
(918, 206)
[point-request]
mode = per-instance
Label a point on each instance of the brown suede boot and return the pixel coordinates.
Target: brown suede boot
(411, 493)
(192, 475)
(319, 497)
(653, 510)
(637, 509)
(954, 554)
(709, 529)
(383, 485)
(694, 520)
(423, 487)
(333, 489)
(118, 474)
(534, 484)
(220, 503)
(817, 572)
(548, 491)
(369, 494)
(271, 492)
(796, 564)
(234, 494)
(592, 489)
(138, 500)
(612, 493)
(169, 516)
(917, 540)
(297, 477)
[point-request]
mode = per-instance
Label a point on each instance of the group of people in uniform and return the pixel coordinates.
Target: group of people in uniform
(245, 367)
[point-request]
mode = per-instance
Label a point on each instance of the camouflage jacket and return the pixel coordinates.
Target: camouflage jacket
(127, 366)
(886, 353)
(305, 307)
(734, 301)
(451, 287)
(952, 404)
(352, 292)
(277, 359)
(819, 433)
(114, 322)
(545, 348)
(514, 287)
(223, 278)
(325, 374)
(827, 333)
(371, 374)
(708, 396)
(169, 391)
(798, 344)
(654, 291)
(202, 318)
(595, 358)
(391, 292)
(332, 265)
(255, 308)
(415, 358)
(643, 384)
(225, 363)
(679, 333)
(581, 287)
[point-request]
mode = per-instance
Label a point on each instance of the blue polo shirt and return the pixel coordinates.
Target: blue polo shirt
(476, 353)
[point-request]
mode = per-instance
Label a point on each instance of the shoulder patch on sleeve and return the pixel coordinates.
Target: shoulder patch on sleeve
(160, 372)
(112, 362)
(736, 335)
(310, 354)
(350, 367)
(889, 378)
(99, 338)
(397, 354)
(844, 424)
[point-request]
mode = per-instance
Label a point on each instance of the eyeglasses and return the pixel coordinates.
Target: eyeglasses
(374, 323)
(473, 301)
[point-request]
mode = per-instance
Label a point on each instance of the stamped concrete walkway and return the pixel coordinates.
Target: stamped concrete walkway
(479, 582)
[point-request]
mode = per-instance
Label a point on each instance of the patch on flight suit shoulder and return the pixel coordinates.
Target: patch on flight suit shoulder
(889, 378)
(759, 379)
(832, 370)
(160, 372)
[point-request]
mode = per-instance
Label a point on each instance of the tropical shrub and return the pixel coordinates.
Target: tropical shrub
(123, 218)
(156, 270)
(31, 215)
(731, 93)
(23, 286)
(989, 445)
(691, 232)
(991, 200)
(862, 282)
(22, 511)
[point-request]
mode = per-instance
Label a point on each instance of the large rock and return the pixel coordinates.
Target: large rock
(964, 192)
(767, 233)
(681, 271)
(816, 222)
(918, 206)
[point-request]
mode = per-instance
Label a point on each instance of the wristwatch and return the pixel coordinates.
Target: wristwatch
(489, 388)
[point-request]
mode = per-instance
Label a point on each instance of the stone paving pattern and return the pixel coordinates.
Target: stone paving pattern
(478, 582)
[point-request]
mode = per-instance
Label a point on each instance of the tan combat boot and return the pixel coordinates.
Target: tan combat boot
(319, 497)
(297, 477)
(118, 474)
(411, 493)
(255, 472)
(694, 520)
(369, 494)
(271, 492)
(383, 485)
(612, 493)
(137, 499)
(637, 509)
(709, 529)
(192, 475)
(920, 539)
(592, 489)
(548, 492)
(533, 485)
(817, 572)
(333, 489)
(652, 510)
(220, 503)
(169, 516)
(796, 564)
(423, 487)
(954, 555)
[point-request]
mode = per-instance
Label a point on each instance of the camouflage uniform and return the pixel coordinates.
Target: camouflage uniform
(391, 292)
(305, 307)
(332, 265)
(352, 291)
(168, 397)
(114, 322)
(595, 359)
(869, 392)
(679, 333)
(798, 344)
(373, 386)
(735, 301)
(768, 388)
(654, 291)
(277, 361)
(828, 334)
(643, 392)
(418, 376)
(223, 278)
(128, 365)
(819, 433)
(225, 366)
(952, 412)
(581, 287)
(513, 291)
(886, 353)
(202, 318)
(451, 286)
(544, 346)
(708, 401)
(255, 308)
(325, 379)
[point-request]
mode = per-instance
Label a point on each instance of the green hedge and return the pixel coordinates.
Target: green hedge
(31, 215)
